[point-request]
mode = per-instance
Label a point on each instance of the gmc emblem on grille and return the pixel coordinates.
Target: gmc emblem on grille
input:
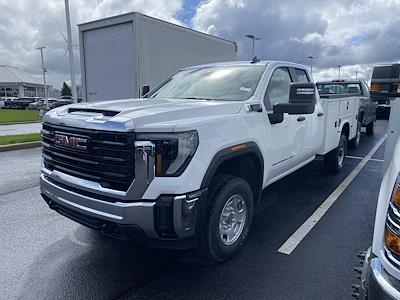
(70, 141)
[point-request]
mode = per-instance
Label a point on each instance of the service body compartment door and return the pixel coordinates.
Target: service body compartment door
(331, 124)
(110, 67)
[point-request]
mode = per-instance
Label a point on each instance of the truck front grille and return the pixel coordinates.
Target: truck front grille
(103, 156)
(393, 222)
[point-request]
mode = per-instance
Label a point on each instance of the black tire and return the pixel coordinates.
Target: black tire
(333, 160)
(211, 245)
(371, 128)
(354, 143)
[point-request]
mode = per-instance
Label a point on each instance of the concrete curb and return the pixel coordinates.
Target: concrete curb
(19, 123)
(19, 146)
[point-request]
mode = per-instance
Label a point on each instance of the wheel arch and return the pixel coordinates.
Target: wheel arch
(346, 129)
(244, 160)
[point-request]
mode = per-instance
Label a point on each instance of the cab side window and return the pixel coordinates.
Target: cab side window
(278, 88)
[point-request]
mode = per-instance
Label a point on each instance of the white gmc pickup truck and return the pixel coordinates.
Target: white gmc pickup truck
(186, 165)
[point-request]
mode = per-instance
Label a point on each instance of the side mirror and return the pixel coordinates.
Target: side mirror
(145, 90)
(302, 100)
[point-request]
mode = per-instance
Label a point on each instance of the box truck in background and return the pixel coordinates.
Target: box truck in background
(123, 54)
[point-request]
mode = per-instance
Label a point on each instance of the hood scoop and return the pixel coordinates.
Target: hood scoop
(106, 113)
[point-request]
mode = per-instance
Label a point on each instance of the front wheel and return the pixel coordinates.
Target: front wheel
(334, 160)
(228, 218)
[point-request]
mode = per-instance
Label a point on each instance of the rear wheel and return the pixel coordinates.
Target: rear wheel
(371, 128)
(334, 160)
(355, 142)
(228, 218)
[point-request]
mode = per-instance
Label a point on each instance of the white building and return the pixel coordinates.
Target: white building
(17, 83)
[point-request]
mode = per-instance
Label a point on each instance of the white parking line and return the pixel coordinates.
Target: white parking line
(361, 158)
(296, 238)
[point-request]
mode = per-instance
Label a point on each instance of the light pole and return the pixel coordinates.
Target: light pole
(311, 62)
(46, 100)
(339, 71)
(71, 53)
(254, 39)
(356, 74)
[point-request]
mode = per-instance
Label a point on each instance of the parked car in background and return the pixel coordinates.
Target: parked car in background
(24, 102)
(8, 101)
(385, 82)
(350, 88)
(53, 103)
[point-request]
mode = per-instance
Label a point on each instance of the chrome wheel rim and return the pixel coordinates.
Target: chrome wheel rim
(341, 155)
(232, 219)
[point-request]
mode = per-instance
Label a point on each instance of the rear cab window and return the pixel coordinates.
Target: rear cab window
(339, 88)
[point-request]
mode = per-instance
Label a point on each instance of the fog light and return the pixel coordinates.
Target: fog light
(189, 201)
(392, 240)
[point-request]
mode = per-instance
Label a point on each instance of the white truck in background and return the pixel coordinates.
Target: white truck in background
(124, 55)
(185, 166)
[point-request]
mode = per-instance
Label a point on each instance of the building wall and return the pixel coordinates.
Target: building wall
(8, 90)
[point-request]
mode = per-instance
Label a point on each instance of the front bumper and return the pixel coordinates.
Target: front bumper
(166, 222)
(376, 282)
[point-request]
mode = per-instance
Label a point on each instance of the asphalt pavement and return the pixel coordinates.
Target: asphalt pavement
(46, 256)
(20, 129)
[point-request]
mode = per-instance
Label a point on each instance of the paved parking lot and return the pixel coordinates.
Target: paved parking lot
(46, 256)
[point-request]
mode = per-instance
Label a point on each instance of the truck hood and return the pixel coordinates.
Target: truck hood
(157, 115)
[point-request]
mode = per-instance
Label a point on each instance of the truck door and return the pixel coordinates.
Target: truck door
(370, 106)
(312, 140)
(287, 136)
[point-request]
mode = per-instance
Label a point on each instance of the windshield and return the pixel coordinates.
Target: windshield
(232, 83)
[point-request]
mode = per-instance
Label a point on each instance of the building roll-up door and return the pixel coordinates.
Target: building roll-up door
(109, 62)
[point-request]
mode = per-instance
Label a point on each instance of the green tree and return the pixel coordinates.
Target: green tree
(65, 91)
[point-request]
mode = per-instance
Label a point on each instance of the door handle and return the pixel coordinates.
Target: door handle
(301, 119)
(320, 114)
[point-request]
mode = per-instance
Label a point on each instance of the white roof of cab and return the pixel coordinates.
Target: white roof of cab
(249, 63)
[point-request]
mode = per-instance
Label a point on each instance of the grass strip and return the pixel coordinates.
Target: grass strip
(8, 116)
(19, 138)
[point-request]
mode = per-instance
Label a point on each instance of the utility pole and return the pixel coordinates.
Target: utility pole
(356, 74)
(339, 71)
(311, 62)
(46, 100)
(71, 53)
(254, 39)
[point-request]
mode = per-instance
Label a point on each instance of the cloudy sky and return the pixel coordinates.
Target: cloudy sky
(354, 34)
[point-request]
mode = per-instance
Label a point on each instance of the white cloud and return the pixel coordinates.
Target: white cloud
(350, 33)
(27, 24)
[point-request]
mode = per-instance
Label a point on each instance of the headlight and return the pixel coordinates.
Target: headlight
(396, 193)
(392, 240)
(173, 150)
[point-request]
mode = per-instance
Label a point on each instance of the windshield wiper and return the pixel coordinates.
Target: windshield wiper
(197, 98)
